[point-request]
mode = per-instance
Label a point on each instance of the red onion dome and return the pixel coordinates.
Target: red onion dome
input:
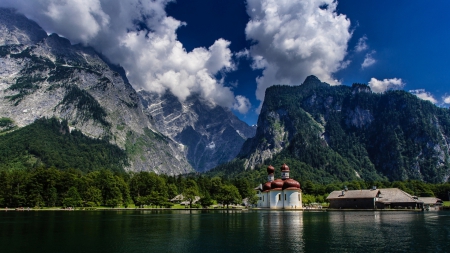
(277, 184)
(284, 168)
(291, 183)
(270, 169)
(267, 186)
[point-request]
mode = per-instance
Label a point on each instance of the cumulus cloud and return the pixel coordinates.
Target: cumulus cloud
(361, 45)
(368, 60)
(446, 99)
(422, 94)
(379, 86)
(294, 39)
(142, 38)
(242, 104)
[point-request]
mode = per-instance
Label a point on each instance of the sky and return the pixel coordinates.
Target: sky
(230, 51)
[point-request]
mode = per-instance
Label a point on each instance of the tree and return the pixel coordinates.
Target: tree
(206, 201)
(52, 196)
(190, 191)
(253, 200)
(229, 194)
(93, 196)
(172, 190)
(72, 198)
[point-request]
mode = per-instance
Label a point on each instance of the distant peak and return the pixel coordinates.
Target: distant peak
(312, 82)
(312, 78)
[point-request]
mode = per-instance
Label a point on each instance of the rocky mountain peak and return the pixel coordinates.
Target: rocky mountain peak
(210, 133)
(16, 29)
(46, 77)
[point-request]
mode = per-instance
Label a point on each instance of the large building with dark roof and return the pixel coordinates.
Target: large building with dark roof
(284, 193)
(386, 198)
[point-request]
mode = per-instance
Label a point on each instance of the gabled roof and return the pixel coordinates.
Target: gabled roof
(353, 194)
(430, 200)
(395, 195)
(179, 197)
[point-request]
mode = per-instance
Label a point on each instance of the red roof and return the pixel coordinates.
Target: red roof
(284, 167)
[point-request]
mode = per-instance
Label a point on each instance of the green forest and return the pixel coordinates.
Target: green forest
(50, 187)
(50, 143)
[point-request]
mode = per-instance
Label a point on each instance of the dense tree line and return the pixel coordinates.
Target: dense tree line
(50, 187)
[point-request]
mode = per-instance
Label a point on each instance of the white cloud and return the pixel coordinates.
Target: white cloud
(446, 99)
(243, 53)
(154, 59)
(242, 104)
(361, 45)
(294, 39)
(368, 60)
(379, 86)
(422, 94)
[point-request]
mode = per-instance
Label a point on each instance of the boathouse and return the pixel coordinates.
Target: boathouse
(394, 198)
(386, 198)
(355, 199)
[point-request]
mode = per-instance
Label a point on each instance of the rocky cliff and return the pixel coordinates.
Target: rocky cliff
(347, 133)
(46, 76)
(210, 134)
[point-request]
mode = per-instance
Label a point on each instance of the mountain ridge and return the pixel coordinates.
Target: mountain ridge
(350, 133)
(44, 76)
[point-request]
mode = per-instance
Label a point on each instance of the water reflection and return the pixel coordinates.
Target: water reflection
(224, 231)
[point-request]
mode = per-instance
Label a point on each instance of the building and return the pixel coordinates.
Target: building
(431, 203)
(284, 193)
(386, 198)
(394, 198)
(358, 199)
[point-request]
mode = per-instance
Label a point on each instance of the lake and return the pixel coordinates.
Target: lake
(222, 231)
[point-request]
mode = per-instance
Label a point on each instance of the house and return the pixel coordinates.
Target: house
(284, 193)
(385, 198)
(179, 199)
(355, 199)
(398, 199)
(431, 203)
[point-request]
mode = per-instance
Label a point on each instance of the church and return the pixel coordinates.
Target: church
(284, 193)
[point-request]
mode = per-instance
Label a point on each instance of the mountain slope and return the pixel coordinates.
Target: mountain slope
(347, 133)
(46, 76)
(211, 134)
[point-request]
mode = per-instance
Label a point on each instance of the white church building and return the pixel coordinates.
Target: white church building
(284, 193)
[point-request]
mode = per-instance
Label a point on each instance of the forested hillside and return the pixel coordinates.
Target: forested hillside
(338, 133)
(50, 143)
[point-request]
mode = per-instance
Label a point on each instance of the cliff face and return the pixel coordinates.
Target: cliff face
(46, 76)
(350, 132)
(210, 134)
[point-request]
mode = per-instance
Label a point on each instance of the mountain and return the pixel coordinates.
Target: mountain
(45, 76)
(345, 133)
(210, 133)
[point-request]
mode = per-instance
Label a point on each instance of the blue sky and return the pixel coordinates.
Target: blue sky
(407, 40)
(230, 51)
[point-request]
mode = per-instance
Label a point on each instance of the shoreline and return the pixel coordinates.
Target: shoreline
(209, 209)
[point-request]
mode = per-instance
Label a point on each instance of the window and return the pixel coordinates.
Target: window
(284, 196)
(263, 198)
(279, 196)
(299, 197)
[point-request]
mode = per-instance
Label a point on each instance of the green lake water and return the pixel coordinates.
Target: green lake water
(222, 231)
